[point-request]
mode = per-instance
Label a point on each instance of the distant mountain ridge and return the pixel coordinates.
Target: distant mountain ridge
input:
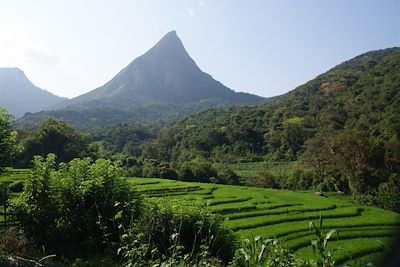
(19, 95)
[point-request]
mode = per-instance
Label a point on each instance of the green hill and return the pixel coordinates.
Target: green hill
(361, 94)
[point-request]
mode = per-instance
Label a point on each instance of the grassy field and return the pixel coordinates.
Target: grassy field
(363, 231)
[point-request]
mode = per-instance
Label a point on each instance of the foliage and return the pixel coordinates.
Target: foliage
(352, 161)
(225, 175)
(253, 253)
(352, 93)
(320, 245)
(75, 204)
(266, 252)
(8, 138)
(264, 179)
(125, 138)
(55, 137)
(87, 118)
(196, 170)
(176, 230)
(388, 194)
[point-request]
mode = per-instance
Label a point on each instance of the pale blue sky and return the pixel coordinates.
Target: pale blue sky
(262, 47)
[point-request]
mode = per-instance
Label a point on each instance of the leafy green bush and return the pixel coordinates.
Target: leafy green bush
(171, 229)
(225, 175)
(197, 170)
(388, 195)
(75, 206)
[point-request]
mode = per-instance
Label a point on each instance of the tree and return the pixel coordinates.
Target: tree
(8, 137)
(197, 170)
(294, 134)
(360, 158)
(57, 137)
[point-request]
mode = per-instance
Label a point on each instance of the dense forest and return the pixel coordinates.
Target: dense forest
(359, 95)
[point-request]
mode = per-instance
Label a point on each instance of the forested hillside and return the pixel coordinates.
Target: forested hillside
(362, 94)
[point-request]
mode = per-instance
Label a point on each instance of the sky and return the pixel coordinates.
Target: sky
(264, 47)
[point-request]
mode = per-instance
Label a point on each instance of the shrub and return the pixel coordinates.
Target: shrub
(225, 175)
(197, 170)
(388, 195)
(75, 206)
(170, 229)
(264, 179)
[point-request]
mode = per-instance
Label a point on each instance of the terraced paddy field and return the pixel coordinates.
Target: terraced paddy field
(363, 231)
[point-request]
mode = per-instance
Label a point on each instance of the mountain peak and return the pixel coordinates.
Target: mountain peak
(13, 73)
(171, 33)
(169, 44)
(170, 36)
(18, 95)
(12, 70)
(165, 73)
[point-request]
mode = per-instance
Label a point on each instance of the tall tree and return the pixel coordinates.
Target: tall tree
(8, 137)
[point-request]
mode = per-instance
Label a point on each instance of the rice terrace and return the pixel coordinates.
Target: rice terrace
(364, 232)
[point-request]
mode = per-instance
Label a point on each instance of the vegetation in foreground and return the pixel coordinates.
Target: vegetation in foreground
(166, 209)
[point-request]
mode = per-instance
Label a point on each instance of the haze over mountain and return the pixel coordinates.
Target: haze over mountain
(18, 95)
(165, 73)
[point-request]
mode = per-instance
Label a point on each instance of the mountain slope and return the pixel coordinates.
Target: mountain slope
(362, 94)
(162, 85)
(18, 95)
(165, 73)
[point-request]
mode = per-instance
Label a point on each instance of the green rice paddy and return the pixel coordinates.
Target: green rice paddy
(363, 231)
